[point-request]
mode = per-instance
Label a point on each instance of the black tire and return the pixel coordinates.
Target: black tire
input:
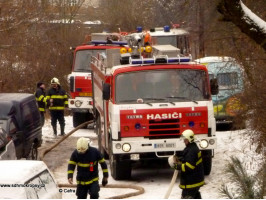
(79, 118)
(33, 154)
(207, 161)
(120, 169)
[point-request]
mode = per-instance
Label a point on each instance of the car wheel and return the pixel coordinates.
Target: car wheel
(33, 154)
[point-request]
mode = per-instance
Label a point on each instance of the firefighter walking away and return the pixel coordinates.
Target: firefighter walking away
(86, 158)
(57, 101)
(191, 167)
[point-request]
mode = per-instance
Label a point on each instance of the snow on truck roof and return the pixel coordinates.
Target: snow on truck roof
(19, 171)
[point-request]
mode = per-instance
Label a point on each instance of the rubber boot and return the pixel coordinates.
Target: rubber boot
(62, 130)
(55, 131)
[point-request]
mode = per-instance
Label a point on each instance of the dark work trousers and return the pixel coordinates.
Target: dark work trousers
(93, 190)
(57, 115)
(42, 118)
(191, 194)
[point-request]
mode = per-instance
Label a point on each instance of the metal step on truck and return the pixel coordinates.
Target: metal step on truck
(145, 99)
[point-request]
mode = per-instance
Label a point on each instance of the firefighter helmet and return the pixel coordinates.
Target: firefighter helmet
(189, 135)
(83, 144)
(55, 81)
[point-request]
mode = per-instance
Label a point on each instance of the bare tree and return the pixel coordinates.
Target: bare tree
(233, 10)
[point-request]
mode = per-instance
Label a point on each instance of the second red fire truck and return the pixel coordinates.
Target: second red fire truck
(80, 78)
(145, 99)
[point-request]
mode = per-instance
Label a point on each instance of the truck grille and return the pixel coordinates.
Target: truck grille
(164, 127)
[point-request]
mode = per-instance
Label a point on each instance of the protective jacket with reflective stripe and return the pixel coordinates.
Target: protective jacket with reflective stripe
(87, 166)
(41, 99)
(59, 98)
(192, 174)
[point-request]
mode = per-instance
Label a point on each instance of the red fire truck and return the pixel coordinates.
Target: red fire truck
(142, 105)
(80, 78)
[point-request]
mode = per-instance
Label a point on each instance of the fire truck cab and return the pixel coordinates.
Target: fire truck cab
(143, 104)
(80, 78)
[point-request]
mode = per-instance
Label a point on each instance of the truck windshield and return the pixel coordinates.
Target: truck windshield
(176, 85)
(83, 59)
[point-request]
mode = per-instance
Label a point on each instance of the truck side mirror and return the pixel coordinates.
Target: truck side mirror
(106, 91)
(214, 86)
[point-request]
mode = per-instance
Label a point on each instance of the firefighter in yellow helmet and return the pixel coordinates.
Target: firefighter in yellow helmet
(57, 101)
(191, 167)
(86, 158)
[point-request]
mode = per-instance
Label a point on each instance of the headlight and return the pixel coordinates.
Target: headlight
(78, 103)
(126, 147)
(204, 144)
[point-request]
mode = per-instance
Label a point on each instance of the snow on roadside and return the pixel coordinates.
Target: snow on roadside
(229, 143)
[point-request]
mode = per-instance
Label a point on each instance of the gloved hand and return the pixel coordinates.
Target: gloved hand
(70, 180)
(174, 162)
(104, 181)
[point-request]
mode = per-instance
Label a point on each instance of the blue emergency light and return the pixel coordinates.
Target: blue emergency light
(159, 60)
(139, 29)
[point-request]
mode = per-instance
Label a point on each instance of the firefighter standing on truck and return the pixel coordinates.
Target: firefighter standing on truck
(57, 101)
(41, 99)
(191, 167)
(87, 159)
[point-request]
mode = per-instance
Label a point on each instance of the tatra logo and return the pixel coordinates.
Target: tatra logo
(174, 115)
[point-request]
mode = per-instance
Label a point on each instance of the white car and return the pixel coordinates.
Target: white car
(27, 179)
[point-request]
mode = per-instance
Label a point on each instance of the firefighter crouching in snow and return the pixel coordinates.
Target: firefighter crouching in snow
(87, 158)
(57, 101)
(191, 167)
(41, 99)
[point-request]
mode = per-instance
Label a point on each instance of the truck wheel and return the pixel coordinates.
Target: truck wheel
(207, 161)
(79, 118)
(33, 154)
(120, 169)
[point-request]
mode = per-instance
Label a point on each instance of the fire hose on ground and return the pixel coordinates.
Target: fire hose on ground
(140, 190)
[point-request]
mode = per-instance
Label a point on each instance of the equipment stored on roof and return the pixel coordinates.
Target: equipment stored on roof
(145, 100)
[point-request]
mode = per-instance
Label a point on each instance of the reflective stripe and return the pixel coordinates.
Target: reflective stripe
(41, 109)
(57, 108)
(83, 165)
(40, 98)
(101, 161)
(66, 102)
(199, 154)
(72, 162)
(192, 186)
(87, 182)
(190, 166)
(183, 168)
(105, 170)
(70, 172)
(199, 161)
(58, 97)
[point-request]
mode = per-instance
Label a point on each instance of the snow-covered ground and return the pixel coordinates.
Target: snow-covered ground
(155, 178)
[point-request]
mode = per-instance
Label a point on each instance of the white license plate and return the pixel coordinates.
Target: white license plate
(164, 145)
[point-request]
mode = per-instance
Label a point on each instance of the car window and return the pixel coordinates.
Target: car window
(26, 114)
(41, 185)
(12, 127)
